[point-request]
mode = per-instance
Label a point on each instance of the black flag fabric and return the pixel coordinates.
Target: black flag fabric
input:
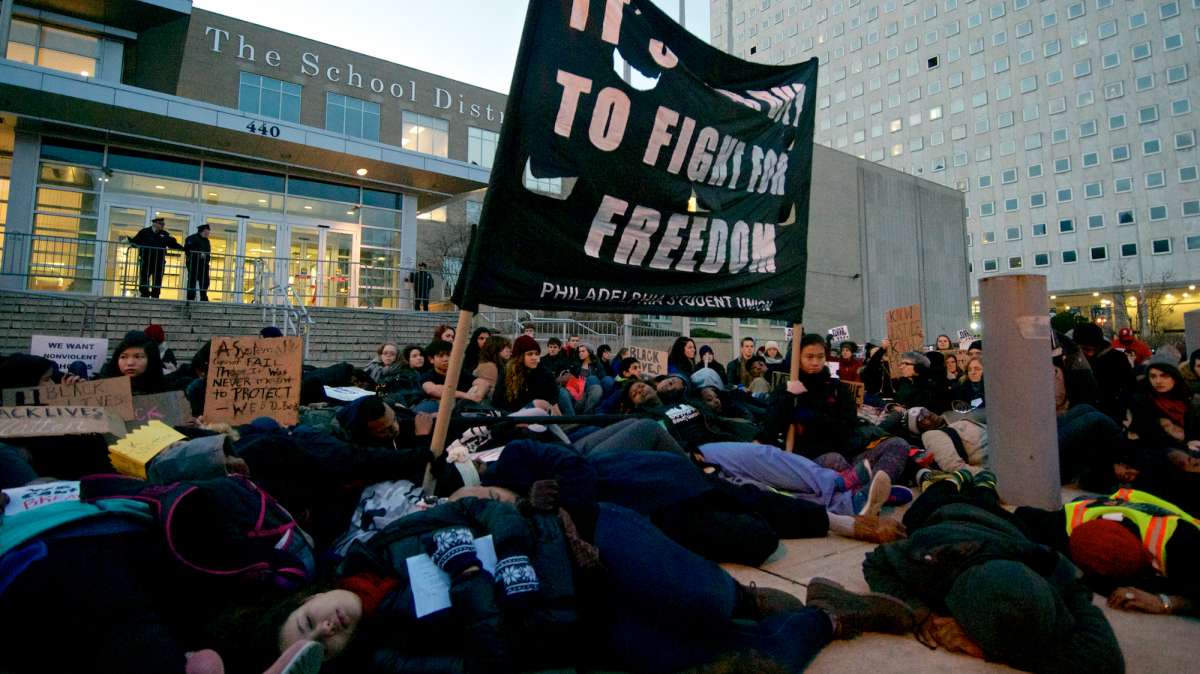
(684, 192)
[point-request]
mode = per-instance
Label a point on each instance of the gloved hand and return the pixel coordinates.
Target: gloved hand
(517, 579)
(452, 549)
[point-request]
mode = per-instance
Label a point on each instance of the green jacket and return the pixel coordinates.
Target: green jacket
(921, 569)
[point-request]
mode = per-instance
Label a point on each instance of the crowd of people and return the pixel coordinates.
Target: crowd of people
(582, 509)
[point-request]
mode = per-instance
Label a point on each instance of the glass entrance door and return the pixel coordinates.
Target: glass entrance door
(224, 262)
(321, 265)
(121, 260)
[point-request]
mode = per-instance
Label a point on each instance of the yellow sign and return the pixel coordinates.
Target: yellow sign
(130, 454)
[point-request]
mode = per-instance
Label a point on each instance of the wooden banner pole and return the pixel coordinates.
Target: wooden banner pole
(794, 374)
(437, 444)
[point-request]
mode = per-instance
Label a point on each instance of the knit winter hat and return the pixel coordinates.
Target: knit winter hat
(1108, 549)
(156, 332)
(912, 416)
(920, 360)
(525, 344)
(770, 344)
(1007, 608)
(705, 349)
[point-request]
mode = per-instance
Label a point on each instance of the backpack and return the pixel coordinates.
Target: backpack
(225, 529)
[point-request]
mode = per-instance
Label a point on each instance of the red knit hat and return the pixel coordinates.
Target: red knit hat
(1108, 549)
(156, 332)
(525, 344)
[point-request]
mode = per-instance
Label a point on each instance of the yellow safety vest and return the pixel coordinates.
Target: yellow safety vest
(1155, 518)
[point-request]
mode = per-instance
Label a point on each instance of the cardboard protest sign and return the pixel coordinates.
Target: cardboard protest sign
(130, 454)
(689, 197)
(21, 396)
(21, 499)
(905, 333)
(172, 408)
(860, 391)
(839, 334)
(114, 393)
(654, 362)
(32, 422)
(251, 377)
(66, 350)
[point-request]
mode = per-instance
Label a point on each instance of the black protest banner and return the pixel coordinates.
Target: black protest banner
(684, 193)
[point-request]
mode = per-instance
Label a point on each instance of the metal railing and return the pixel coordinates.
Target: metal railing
(118, 268)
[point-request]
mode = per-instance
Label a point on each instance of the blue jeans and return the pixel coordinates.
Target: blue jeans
(772, 467)
(672, 609)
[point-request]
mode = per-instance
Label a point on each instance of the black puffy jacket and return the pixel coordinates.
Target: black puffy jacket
(478, 633)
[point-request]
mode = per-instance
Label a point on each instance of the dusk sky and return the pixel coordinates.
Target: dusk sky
(474, 41)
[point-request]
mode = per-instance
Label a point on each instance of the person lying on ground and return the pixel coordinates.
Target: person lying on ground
(627, 598)
(979, 586)
(1123, 543)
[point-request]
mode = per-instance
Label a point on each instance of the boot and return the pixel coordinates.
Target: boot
(756, 603)
(852, 613)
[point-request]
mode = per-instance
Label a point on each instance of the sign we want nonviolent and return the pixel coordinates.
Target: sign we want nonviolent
(687, 197)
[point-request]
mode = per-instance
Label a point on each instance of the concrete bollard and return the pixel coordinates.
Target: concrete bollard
(1191, 331)
(1022, 433)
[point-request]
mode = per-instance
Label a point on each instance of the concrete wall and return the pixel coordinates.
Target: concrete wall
(833, 296)
(914, 248)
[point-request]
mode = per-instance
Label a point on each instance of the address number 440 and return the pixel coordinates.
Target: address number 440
(263, 129)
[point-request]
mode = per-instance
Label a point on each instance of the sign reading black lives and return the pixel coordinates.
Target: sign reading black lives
(684, 193)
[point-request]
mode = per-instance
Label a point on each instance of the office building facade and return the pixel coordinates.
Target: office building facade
(1071, 128)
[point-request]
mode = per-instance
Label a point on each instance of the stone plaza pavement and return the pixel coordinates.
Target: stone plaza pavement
(1152, 644)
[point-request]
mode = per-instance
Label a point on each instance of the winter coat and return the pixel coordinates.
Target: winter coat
(922, 569)
(974, 441)
(479, 633)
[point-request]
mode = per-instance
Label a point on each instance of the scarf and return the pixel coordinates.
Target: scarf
(1173, 408)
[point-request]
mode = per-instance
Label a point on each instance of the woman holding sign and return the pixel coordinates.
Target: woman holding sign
(137, 357)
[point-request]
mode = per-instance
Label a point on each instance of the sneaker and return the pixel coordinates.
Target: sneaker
(984, 479)
(900, 495)
(474, 438)
(302, 657)
(769, 601)
(928, 476)
(878, 493)
(854, 613)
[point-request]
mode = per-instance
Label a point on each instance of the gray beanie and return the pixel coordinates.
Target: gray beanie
(920, 360)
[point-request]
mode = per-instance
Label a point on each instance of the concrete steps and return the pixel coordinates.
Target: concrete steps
(350, 335)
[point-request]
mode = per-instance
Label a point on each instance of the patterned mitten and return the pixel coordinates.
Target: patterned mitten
(517, 579)
(452, 549)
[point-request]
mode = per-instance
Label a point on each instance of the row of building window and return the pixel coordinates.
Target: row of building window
(1105, 30)
(1156, 213)
(1098, 253)
(276, 99)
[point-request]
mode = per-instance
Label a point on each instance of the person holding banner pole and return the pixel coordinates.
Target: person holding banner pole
(437, 444)
(794, 375)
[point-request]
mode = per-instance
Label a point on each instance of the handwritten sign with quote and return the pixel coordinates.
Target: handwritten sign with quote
(251, 377)
(114, 393)
(905, 332)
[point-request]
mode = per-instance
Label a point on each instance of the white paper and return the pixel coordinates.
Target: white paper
(833, 367)
(23, 499)
(431, 585)
(964, 333)
(840, 334)
(347, 393)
